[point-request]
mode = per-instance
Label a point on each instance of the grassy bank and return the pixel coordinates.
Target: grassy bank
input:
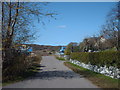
(26, 67)
(60, 58)
(96, 78)
(31, 72)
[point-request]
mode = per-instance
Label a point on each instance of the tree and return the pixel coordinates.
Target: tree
(89, 43)
(111, 29)
(17, 18)
(82, 46)
(68, 49)
(71, 47)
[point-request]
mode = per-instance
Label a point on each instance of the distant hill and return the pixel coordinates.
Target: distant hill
(44, 49)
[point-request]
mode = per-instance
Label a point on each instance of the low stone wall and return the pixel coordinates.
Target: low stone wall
(67, 57)
(108, 71)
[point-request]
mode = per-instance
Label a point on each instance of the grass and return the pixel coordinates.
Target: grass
(31, 72)
(60, 58)
(100, 80)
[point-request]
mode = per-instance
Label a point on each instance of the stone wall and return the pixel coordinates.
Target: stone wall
(108, 71)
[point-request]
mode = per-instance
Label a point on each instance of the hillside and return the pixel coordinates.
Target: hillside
(44, 49)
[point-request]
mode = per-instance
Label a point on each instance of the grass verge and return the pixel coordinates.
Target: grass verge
(100, 80)
(22, 70)
(60, 58)
(31, 72)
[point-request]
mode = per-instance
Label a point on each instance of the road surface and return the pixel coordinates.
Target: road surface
(53, 74)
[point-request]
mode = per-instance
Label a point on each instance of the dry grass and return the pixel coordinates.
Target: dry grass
(96, 78)
(22, 68)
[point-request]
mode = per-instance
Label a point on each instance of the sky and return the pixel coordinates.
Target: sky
(75, 21)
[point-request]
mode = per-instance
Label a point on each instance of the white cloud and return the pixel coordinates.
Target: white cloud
(62, 26)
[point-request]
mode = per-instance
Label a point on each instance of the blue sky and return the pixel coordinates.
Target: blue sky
(75, 21)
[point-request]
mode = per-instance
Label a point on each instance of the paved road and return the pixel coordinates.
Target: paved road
(54, 74)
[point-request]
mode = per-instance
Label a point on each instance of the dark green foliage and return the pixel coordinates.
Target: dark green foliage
(108, 58)
(80, 56)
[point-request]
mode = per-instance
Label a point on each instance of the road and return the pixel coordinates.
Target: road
(53, 74)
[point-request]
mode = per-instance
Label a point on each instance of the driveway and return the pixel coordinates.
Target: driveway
(53, 74)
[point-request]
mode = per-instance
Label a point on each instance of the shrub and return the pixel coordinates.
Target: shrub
(108, 58)
(18, 65)
(67, 52)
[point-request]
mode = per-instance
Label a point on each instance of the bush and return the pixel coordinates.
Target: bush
(108, 58)
(18, 64)
(67, 52)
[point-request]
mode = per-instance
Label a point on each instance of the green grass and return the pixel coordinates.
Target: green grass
(60, 58)
(100, 80)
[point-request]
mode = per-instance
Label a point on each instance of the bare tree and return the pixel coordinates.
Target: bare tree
(17, 18)
(72, 47)
(111, 29)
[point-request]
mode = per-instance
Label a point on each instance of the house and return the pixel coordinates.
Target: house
(95, 44)
(102, 39)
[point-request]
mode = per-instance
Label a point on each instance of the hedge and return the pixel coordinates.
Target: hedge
(108, 58)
